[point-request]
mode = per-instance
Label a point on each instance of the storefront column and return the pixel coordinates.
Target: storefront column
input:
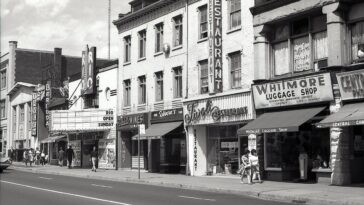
(261, 48)
(336, 33)
(260, 152)
(340, 156)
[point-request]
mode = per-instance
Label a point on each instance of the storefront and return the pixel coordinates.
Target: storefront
(211, 126)
(127, 127)
(347, 125)
(85, 129)
(285, 127)
(166, 140)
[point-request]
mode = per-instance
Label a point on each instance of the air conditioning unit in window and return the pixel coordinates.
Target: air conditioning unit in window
(320, 64)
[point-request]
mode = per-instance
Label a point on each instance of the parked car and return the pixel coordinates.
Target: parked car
(5, 162)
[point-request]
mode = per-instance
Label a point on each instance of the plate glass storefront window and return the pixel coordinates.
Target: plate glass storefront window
(282, 149)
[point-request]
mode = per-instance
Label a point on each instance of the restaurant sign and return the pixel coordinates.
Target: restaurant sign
(34, 111)
(167, 115)
(302, 90)
(222, 109)
(131, 121)
(215, 47)
(351, 84)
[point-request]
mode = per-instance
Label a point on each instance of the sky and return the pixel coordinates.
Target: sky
(66, 24)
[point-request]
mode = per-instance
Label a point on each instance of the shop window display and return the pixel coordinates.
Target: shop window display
(282, 149)
(223, 149)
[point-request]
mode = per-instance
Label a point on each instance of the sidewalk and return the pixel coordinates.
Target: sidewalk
(277, 191)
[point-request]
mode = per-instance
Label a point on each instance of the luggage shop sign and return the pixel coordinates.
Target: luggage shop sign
(303, 90)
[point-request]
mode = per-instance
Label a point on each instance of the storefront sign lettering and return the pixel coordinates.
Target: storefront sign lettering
(48, 96)
(195, 114)
(195, 151)
(215, 47)
(303, 90)
(34, 114)
(87, 68)
(131, 120)
(167, 115)
(108, 119)
(351, 84)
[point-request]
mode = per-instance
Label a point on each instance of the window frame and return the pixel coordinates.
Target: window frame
(127, 49)
(177, 26)
(351, 25)
(142, 39)
(127, 93)
(14, 119)
(231, 13)
(290, 41)
(201, 35)
(177, 82)
(159, 84)
(237, 69)
(29, 120)
(142, 90)
(201, 78)
(3, 106)
(159, 36)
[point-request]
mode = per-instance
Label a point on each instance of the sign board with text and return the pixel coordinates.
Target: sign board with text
(351, 84)
(294, 91)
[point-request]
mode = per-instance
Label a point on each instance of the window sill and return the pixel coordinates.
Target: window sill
(141, 59)
(126, 63)
(158, 53)
(202, 40)
(232, 30)
(177, 98)
(177, 47)
(127, 106)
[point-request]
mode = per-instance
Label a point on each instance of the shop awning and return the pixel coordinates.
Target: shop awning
(348, 115)
(53, 139)
(156, 131)
(280, 121)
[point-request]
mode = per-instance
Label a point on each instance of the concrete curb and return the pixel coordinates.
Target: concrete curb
(256, 194)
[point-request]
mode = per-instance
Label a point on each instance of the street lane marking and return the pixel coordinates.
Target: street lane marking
(103, 186)
(65, 193)
(45, 178)
(197, 198)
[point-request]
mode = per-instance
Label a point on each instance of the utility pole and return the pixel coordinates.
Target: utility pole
(108, 28)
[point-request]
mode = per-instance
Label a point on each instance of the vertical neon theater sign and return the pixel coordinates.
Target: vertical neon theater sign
(215, 47)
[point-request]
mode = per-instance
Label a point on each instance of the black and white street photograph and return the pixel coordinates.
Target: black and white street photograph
(182, 102)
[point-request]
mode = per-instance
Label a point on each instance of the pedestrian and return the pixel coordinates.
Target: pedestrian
(246, 165)
(26, 157)
(42, 158)
(94, 156)
(254, 161)
(37, 156)
(60, 157)
(30, 156)
(70, 155)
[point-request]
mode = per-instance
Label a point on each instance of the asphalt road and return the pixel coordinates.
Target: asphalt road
(17, 188)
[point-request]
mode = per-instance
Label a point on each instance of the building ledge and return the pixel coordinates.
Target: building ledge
(262, 6)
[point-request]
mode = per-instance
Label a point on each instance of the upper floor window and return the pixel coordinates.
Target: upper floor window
(177, 85)
(127, 92)
(159, 86)
(300, 46)
(235, 69)
(127, 49)
(203, 22)
(14, 118)
(3, 79)
(2, 109)
(142, 90)
(177, 31)
(158, 37)
(357, 41)
(142, 43)
(234, 13)
(204, 83)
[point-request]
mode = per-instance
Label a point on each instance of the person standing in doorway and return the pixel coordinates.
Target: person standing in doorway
(94, 156)
(70, 155)
(60, 157)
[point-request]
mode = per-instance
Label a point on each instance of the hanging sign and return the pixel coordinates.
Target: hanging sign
(351, 84)
(215, 47)
(34, 113)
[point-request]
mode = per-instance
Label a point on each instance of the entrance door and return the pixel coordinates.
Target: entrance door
(87, 147)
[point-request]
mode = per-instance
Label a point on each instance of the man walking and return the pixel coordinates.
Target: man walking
(60, 157)
(70, 156)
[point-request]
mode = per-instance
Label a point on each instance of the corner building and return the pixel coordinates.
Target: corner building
(308, 59)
